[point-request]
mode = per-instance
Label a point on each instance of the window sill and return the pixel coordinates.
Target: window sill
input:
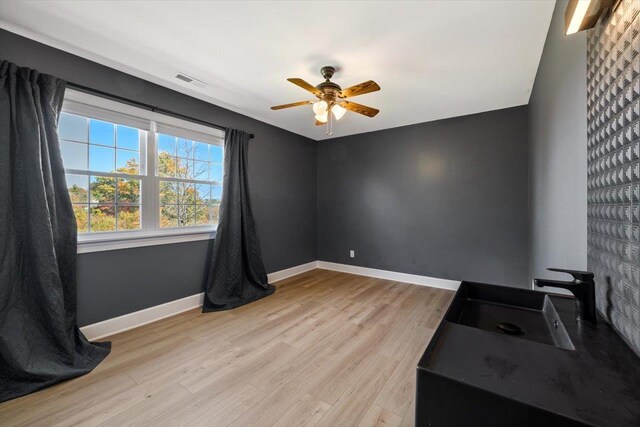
(111, 243)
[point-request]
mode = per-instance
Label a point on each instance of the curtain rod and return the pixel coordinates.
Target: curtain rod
(153, 108)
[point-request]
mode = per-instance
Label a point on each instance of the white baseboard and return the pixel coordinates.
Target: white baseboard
(136, 319)
(139, 318)
(391, 275)
(293, 271)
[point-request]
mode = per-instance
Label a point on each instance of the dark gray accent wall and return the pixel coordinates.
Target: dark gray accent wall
(558, 153)
(112, 283)
(283, 190)
(445, 199)
(613, 82)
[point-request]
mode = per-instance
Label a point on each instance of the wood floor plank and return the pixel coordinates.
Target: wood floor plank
(379, 417)
(409, 419)
(353, 404)
(154, 404)
(330, 384)
(229, 409)
(211, 408)
(57, 407)
(274, 406)
(327, 349)
(305, 413)
(240, 367)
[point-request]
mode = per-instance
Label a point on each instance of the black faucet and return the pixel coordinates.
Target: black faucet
(583, 288)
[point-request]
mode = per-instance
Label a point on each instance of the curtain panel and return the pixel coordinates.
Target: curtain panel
(236, 275)
(40, 343)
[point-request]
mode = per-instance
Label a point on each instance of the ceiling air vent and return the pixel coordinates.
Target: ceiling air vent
(191, 80)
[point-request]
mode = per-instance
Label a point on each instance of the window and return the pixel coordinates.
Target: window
(137, 177)
(190, 183)
(102, 160)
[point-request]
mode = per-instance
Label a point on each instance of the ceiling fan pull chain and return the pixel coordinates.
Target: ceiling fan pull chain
(326, 132)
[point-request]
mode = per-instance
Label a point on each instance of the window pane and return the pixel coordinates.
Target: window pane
(215, 173)
(78, 186)
(201, 151)
(203, 194)
(128, 191)
(186, 193)
(103, 218)
(103, 189)
(187, 215)
(166, 144)
(103, 203)
(128, 217)
(184, 168)
(203, 215)
(101, 159)
(166, 165)
(216, 193)
(128, 138)
(128, 162)
(201, 170)
(215, 214)
(168, 192)
(216, 153)
(81, 212)
(169, 216)
(101, 132)
(185, 148)
(73, 128)
(74, 155)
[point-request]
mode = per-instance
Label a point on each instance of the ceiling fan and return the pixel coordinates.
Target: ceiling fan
(332, 99)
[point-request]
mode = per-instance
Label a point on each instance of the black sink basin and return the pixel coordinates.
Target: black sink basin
(523, 315)
(498, 358)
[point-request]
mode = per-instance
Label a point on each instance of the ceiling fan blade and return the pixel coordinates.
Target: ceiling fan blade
(360, 89)
(319, 123)
(306, 86)
(294, 104)
(359, 108)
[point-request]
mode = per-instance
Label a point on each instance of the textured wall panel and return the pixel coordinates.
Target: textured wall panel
(613, 98)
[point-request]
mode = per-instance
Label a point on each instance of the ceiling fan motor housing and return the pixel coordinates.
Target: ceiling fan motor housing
(329, 89)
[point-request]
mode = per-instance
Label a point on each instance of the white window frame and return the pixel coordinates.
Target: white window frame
(151, 234)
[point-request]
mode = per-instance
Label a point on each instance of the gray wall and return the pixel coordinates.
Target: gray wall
(446, 199)
(283, 190)
(558, 153)
(613, 82)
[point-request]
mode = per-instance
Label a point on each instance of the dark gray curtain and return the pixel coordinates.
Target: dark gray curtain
(40, 343)
(236, 275)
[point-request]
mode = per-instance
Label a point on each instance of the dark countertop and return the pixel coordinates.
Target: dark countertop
(597, 384)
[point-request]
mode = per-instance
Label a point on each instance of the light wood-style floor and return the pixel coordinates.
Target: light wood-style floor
(327, 349)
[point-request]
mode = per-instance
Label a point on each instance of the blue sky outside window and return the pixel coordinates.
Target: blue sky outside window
(101, 159)
(216, 154)
(101, 133)
(128, 138)
(166, 144)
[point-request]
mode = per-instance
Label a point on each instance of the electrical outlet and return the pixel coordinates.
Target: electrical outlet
(352, 253)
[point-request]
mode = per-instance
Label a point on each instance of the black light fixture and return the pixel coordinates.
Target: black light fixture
(584, 14)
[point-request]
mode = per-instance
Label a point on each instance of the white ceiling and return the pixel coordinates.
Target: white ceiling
(433, 59)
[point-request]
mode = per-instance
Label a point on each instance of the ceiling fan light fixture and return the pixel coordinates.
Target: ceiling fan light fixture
(322, 118)
(338, 111)
(320, 108)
